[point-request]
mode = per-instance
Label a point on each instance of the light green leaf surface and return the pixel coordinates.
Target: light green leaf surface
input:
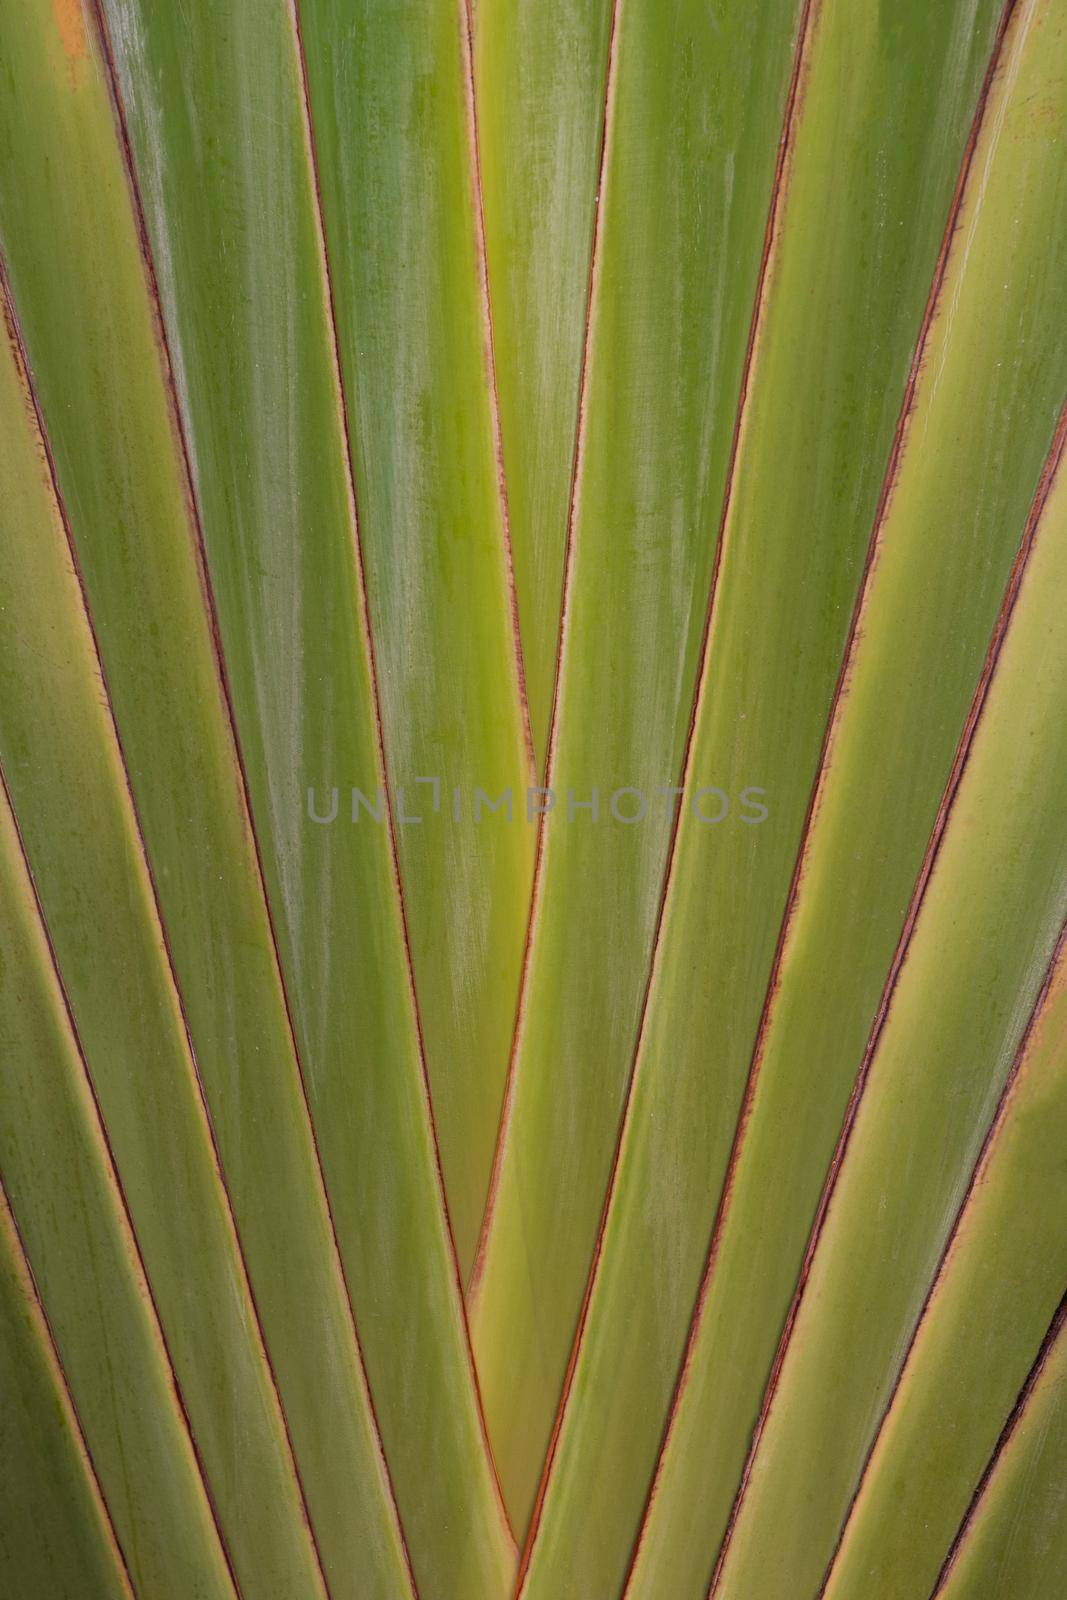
(540, 68)
(403, 406)
(389, 88)
(980, 947)
(1014, 1547)
(79, 287)
(55, 1536)
(679, 243)
(60, 1184)
(847, 283)
(954, 520)
(986, 925)
(995, 1296)
(63, 768)
(244, 293)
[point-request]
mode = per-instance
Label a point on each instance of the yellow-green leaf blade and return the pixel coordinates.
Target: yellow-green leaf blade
(64, 770)
(61, 1187)
(539, 74)
(677, 242)
(78, 281)
(1014, 1546)
(244, 293)
(963, 484)
(55, 1534)
(388, 92)
(951, 1033)
(993, 1301)
(847, 283)
(988, 917)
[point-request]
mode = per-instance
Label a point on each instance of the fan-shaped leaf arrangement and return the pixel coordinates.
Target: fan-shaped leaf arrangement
(533, 865)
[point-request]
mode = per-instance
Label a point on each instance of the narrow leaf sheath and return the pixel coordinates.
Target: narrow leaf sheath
(389, 95)
(234, 229)
(56, 1536)
(693, 118)
(1014, 1543)
(60, 1184)
(1006, 1266)
(540, 68)
(989, 913)
(80, 287)
(986, 931)
(957, 495)
(848, 277)
(63, 766)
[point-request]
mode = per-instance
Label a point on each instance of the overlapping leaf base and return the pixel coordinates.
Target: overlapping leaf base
(533, 740)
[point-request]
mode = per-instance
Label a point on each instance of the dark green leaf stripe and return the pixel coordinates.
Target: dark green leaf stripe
(56, 1537)
(678, 250)
(540, 67)
(245, 295)
(58, 1176)
(100, 369)
(1013, 1544)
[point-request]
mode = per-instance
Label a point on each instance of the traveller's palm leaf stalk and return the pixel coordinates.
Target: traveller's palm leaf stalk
(627, 1158)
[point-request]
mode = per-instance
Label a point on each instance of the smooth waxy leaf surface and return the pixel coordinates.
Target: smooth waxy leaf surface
(976, 958)
(994, 1298)
(63, 768)
(403, 406)
(540, 68)
(1014, 1546)
(56, 1538)
(676, 243)
(389, 97)
(245, 296)
(79, 286)
(963, 482)
(61, 1186)
(842, 304)
(987, 919)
